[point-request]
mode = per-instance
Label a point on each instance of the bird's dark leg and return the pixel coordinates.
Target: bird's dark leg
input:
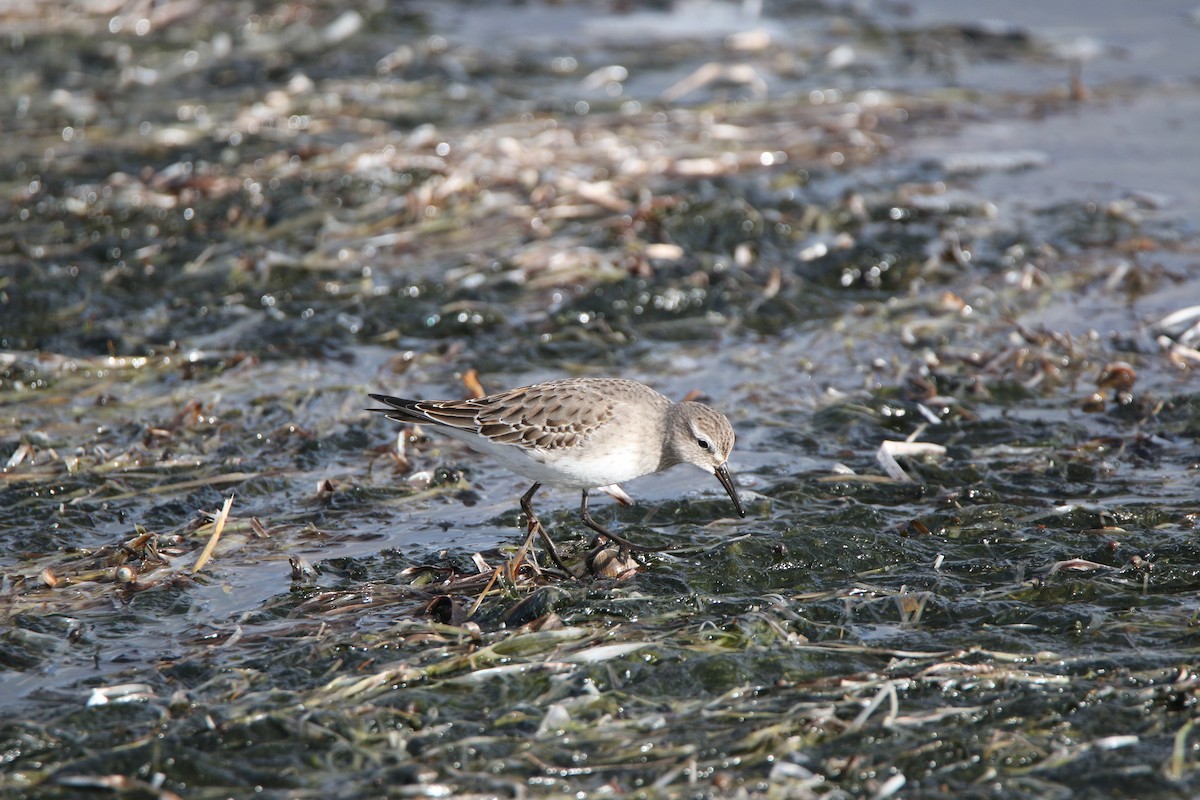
(586, 518)
(535, 524)
(527, 502)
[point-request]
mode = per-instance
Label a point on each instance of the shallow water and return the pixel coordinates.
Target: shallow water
(227, 226)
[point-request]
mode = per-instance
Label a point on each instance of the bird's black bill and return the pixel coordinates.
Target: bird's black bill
(723, 476)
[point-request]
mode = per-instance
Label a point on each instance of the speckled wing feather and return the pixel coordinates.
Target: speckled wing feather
(549, 417)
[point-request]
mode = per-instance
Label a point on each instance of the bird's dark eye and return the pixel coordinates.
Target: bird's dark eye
(702, 444)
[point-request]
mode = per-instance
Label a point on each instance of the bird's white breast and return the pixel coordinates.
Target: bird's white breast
(587, 467)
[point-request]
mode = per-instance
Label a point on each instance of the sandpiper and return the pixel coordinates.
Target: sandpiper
(581, 433)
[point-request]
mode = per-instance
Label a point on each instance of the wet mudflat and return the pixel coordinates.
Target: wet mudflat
(942, 274)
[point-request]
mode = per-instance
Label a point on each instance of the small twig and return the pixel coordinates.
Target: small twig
(218, 526)
(487, 588)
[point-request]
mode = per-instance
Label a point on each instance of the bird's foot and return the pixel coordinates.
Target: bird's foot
(626, 545)
(535, 527)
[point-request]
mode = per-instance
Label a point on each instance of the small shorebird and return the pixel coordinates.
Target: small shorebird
(581, 433)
